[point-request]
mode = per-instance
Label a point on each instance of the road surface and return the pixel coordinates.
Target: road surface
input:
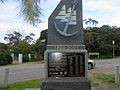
(106, 66)
(20, 72)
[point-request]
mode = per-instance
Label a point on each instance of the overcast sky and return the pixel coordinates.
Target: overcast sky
(106, 12)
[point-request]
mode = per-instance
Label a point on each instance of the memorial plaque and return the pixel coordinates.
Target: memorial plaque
(66, 64)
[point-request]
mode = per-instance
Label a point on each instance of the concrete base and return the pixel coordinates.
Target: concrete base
(66, 83)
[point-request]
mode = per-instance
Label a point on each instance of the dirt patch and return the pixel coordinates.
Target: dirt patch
(107, 87)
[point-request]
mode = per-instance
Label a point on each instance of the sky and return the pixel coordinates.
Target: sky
(106, 12)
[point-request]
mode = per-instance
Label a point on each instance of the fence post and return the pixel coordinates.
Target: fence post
(117, 74)
(12, 55)
(29, 56)
(20, 58)
(6, 76)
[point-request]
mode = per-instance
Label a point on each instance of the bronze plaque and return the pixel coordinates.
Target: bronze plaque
(66, 64)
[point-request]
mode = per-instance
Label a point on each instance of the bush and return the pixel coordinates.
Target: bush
(25, 58)
(5, 58)
(33, 58)
(105, 49)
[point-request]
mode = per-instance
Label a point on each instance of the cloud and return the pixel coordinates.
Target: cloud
(105, 11)
(99, 4)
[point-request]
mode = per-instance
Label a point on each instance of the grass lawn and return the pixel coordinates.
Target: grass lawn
(102, 79)
(22, 85)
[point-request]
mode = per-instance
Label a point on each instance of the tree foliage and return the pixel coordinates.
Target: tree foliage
(29, 38)
(23, 47)
(96, 39)
(30, 10)
(100, 39)
(5, 57)
(15, 38)
(41, 43)
(17, 43)
(3, 47)
(90, 22)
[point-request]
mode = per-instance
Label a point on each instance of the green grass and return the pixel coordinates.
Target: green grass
(99, 79)
(106, 78)
(22, 85)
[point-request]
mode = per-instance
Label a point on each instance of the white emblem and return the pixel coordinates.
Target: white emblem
(69, 18)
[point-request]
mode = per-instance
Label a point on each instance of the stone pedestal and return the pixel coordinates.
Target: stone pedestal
(66, 83)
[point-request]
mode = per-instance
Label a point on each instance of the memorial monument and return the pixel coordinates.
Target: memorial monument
(66, 57)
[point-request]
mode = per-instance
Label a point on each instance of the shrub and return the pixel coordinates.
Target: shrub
(5, 58)
(25, 58)
(33, 58)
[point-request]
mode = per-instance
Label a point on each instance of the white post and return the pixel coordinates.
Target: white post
(113, 42)
(35, 56)
(20, 58)
(29, 56)
(117, 74)
(6, 76)
(12, 55)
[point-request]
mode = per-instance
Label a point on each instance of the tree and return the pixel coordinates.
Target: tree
(23, 47)
(106, 27)
(41, 43)
(105, 49)
(91, 22)
(30, 10)
(3, 47)
(13, 38)
(100, 40)
(43, 36)
(29, 38)
(88, 41)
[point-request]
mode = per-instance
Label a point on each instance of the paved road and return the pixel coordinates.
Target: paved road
(36, 70)
(21, 72)
(106, 65)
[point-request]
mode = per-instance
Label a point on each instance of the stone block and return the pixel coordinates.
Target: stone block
(66, 83)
